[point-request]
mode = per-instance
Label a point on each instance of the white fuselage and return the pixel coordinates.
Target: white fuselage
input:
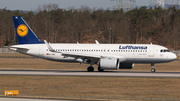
(127, 53)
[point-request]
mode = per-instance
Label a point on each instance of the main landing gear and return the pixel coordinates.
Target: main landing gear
(100, 70)
(90, 69)
(152, 65)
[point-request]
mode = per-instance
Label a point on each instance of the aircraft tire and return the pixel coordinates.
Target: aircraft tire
(90, 69)
(153, 70)
(100, 70)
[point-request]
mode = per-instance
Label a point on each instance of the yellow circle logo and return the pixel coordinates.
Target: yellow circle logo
(22, 30)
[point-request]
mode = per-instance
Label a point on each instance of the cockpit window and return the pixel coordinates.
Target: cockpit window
(164, 50)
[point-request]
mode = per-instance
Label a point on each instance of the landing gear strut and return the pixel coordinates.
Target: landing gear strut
(90, 68)
(152, 65)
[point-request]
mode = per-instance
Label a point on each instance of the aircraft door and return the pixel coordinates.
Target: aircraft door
(41, 52)
(151, 51)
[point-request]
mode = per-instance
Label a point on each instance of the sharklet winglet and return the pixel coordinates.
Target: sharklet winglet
(49, 47)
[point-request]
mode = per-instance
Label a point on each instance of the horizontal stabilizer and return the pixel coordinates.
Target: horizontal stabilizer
(19, 49)
(22, 48)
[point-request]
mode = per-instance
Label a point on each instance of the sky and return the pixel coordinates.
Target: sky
(32, 5)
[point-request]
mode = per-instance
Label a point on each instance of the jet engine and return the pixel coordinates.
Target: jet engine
(126, 65)
(109, 63)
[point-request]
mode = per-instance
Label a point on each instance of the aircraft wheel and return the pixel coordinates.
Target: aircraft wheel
(100, 70)
(153, 70)
(90, 69)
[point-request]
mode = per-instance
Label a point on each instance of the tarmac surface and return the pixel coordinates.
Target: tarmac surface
(29, 99)
(85, 73)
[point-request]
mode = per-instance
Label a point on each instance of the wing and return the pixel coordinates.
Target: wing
(71, 54)
(95, 58)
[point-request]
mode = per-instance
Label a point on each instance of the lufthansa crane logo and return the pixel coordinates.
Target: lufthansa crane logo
(22, 30)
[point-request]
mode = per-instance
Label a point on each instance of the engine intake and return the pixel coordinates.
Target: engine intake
(109, 63)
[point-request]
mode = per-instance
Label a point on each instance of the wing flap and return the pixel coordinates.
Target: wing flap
(78, 55)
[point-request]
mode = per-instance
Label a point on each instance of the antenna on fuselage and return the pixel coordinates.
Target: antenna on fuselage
(77, 42)
(151, 43)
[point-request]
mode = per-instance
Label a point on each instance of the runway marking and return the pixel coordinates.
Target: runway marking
(85, 73)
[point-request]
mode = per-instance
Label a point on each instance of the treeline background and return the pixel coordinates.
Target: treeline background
(56, 25)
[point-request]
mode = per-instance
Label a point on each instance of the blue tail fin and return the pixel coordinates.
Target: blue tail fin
(24, 33)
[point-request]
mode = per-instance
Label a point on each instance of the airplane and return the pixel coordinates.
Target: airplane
(106, 56)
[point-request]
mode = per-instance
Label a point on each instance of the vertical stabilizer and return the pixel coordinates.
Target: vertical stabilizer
(24, 33)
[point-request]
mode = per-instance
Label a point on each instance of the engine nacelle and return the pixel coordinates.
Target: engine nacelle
(126, 65)
(109, 63)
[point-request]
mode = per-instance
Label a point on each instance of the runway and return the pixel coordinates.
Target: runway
(85, 73)
(29, 99)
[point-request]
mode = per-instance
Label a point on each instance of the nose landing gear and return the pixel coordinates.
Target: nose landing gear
(153, 69)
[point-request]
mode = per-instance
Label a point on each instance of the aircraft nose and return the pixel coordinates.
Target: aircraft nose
(173, 56)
